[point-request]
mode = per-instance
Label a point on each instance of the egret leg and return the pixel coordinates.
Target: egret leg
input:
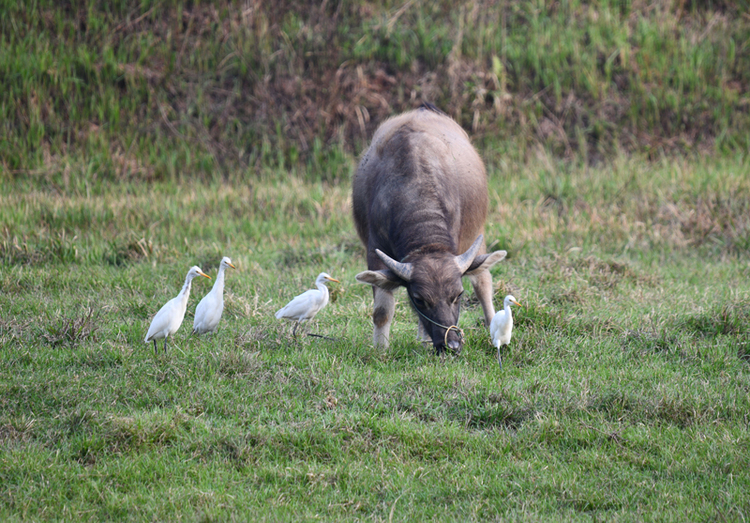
(499, 359)
(294, 330)
(156, 349)
(165, 344)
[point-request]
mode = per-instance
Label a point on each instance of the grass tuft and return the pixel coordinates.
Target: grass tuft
(73, 331)
(651, 340)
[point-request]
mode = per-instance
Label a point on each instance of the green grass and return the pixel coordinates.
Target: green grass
(624, 396)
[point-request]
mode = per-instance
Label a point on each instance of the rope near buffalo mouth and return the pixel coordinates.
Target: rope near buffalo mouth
(458, 330)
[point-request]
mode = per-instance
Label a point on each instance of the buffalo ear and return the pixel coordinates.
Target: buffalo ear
(384, 279)
(484, 262)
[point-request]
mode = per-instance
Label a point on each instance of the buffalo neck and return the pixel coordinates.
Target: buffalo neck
(424, 237)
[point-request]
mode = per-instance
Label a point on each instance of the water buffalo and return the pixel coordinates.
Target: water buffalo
(420, 202)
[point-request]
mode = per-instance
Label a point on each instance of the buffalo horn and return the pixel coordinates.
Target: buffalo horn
(464, 261)
(402, 270)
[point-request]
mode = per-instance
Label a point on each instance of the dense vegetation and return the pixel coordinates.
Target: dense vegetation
(140, 138)
(157, 88)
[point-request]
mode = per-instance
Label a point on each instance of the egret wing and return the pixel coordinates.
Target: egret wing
(163, 320)
(208, 313)
(497, 320)
(303, 307)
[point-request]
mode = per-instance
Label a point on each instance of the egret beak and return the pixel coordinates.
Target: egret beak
(517, 303)
(232, 266)
(332, 279)
(204, 274)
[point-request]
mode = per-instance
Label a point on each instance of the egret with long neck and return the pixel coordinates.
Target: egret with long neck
(170, 316)
(209, 310)
(502, 326)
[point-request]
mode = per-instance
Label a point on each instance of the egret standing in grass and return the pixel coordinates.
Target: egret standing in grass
(305, 306)
(502, 326)
(169, 318)
(208, 312)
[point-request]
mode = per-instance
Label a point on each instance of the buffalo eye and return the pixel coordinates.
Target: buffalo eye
(419, 302)
(458, 297)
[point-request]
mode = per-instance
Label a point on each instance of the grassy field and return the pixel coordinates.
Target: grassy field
(625, 393)
(141, 138)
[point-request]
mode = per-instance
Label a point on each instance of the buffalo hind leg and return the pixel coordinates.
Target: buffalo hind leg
(382, 315)
(482, 282)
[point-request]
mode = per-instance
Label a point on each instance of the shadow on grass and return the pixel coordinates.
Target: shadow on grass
(730, 319)
(681, 412)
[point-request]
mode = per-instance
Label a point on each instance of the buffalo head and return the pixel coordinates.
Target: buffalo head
(433, 282)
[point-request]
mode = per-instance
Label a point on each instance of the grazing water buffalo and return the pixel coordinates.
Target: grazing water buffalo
(420, 203)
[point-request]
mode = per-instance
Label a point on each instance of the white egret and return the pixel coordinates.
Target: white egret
(208, 312)
(305, 306)
(502, 325)
(169, 318)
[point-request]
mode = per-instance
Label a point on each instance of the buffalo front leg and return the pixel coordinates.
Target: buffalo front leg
(382, 315)
(482, 282)
(422, 334)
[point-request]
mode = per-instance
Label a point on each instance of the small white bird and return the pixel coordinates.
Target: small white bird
(169, 318)
(208, 312)
(502, 326)
(305, 306)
